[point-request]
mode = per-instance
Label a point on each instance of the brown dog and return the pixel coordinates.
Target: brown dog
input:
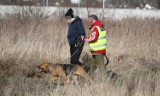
(62, 70)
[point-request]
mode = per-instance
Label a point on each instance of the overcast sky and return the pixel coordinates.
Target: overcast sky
(75, 1)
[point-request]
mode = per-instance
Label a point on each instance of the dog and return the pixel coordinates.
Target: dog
(62, 70)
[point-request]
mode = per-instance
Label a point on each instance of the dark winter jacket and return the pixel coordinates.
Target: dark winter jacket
(76, 29)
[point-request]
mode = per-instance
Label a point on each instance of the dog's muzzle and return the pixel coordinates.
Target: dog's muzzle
(42, 70)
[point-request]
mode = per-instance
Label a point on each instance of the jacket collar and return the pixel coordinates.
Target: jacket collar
(96, 23)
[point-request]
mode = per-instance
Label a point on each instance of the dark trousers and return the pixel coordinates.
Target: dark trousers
(75, 53)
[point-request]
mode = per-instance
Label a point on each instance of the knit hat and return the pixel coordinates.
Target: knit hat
(69, 13)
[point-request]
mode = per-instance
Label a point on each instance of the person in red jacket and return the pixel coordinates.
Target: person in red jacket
(98, 55)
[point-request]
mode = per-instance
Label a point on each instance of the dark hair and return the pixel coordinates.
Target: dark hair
(94, 17)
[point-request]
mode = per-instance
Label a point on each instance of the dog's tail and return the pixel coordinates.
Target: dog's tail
(107, 61)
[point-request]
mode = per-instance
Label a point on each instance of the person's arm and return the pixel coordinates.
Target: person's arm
(81, 29)
(93, 37)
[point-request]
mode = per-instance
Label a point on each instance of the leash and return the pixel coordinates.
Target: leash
(70, 56)
(76, 45)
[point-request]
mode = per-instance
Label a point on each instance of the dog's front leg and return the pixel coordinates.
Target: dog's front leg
(64, 76)
(53, 79)
(81, 72)
(75, 79)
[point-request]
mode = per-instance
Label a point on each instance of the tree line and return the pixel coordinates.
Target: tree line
(85, 3)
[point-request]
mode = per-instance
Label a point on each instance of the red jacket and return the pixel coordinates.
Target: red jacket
(94, 37)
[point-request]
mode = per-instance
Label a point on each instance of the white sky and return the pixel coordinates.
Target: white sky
(75, 1)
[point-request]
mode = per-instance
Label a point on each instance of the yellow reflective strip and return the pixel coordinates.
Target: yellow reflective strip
(97, 46)
(104, 37)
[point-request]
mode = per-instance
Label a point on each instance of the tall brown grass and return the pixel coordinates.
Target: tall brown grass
(133, 50)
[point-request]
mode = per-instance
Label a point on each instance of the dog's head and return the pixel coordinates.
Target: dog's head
(44, 67)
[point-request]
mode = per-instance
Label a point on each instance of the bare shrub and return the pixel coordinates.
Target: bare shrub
(25, 13)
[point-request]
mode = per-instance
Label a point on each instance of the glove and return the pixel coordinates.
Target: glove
(79, 42)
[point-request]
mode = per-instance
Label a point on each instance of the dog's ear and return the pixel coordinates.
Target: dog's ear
(46, 66)
(47, 69)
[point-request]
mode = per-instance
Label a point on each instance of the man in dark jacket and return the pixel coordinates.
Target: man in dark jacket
(75, 31)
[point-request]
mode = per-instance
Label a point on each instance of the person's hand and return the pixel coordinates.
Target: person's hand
(82, 37)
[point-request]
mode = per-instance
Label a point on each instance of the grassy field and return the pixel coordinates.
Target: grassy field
(133, 50)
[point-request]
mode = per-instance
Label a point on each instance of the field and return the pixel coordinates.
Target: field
(133, 50)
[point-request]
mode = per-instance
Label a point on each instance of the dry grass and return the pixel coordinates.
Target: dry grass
(139, 37)
(133, 49)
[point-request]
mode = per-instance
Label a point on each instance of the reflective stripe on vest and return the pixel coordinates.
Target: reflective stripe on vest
(101, 43)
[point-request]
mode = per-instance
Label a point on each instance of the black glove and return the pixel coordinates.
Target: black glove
(79, 42)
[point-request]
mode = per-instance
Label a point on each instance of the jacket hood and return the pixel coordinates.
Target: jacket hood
(96, 23)
(78, 19)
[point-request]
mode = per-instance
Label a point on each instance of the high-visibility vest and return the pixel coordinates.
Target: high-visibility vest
(101, 43)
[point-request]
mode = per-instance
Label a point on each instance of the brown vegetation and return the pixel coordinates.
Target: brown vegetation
(133, 50)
